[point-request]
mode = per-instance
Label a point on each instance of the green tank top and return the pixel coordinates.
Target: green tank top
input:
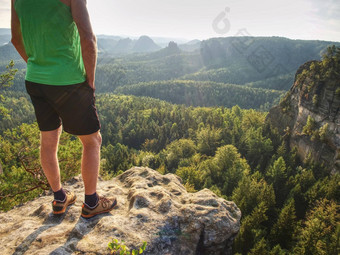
(51, 41)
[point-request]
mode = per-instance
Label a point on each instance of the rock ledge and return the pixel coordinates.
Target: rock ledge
(151, 207)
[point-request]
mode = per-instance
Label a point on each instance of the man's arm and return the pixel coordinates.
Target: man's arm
(17, 40)
(88, 40)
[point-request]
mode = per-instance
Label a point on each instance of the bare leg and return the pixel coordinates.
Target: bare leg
(49, 141)
(90, 161)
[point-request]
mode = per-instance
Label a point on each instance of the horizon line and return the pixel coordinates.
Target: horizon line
(207, 38)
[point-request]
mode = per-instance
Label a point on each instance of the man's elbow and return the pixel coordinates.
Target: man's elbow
(89, 41)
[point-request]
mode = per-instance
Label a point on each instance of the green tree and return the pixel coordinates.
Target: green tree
(177, 151)
(226, 169)
(149, 159)
(257, 148)
(300, 184)
(260, 248)
(324, 133)
(278, 251)
(327, 187)
(208, 140)
(117, 157)
(6, 80)
(277, 175)
(309, 128)
(320, 233)
(251, 191)
(252, 232)
(191, 175)
(284, 229)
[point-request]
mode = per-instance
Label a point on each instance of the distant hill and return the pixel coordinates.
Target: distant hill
(106, 44)
(122, 46)
(114, 37)
(5, 36)
(164, 41)
(4, 39)
(171, 49)
(190, 46)
(145, 44)
(267, 55)
(244, 60)
(116, 46)
(8, 52)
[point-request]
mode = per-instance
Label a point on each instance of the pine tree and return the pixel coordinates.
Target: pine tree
(320, 233)
(283, 231)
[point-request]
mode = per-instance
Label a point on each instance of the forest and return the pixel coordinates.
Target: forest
(288, 206)
(204, 93)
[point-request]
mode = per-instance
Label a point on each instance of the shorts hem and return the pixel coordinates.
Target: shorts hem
(48, 129)
(82, 133)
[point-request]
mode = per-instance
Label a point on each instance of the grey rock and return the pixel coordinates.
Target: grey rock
(151, 207)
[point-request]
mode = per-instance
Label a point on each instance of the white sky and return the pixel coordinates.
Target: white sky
(193, 19)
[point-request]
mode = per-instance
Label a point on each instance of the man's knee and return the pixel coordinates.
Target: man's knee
(49, 139)
(99, 138)
(92, 140)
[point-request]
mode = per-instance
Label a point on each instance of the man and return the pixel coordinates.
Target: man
(56, 40)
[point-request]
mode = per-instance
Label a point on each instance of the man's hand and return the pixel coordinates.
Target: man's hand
(17, 40)
(88, 40)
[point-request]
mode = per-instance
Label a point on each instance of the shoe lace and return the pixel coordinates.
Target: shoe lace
(104, 201)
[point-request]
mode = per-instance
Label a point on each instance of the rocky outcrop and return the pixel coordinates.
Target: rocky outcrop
(319, 100)
(151, 207)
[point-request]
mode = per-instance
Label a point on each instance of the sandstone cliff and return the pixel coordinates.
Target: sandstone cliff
(315, 95)
(151, 207)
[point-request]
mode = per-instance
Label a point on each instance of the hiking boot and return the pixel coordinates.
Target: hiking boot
(104, 205)
(59, 207)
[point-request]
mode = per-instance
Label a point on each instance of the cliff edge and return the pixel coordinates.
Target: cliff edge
(151, 207)
(309, 114)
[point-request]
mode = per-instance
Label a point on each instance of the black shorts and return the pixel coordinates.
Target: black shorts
(73, 106)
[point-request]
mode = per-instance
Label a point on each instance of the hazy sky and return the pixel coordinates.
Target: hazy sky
(297, 19)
